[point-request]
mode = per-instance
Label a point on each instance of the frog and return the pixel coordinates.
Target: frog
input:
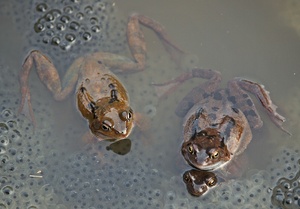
(199, 182)
(217, 122)
(100, 96)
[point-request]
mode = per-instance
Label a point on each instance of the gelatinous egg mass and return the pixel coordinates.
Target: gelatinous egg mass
(72, 23)
(65, 30)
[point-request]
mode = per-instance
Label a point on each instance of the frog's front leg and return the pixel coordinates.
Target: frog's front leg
(245, 103)
(49, 76)
(136, 37)
(137, 45)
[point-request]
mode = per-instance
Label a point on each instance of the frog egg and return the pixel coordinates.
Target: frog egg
(7, 190)
(150, 110)
(170, 197)
(7, 203)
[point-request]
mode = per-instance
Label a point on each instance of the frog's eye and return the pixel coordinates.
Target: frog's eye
(202, 133)
(211, 182)
(186, 178)
(129, 116)
(191, 149)
(106, 125)
(126, 115)
(215, 154)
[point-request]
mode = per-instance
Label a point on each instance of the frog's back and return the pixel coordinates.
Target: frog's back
(100, 82)
(218, 112)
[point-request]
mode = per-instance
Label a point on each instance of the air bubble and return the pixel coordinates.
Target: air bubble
(4, 141)
(39, 27)
(50, 25)
(94, 21)
(96, 28)
(56, 13)
(88, 10)
(7, 113)
(100, 6)
(17, 133)
(60, 26)
(64, 19)
(68, 10)
(74, 25)
(3, 128)
(55, 41)
(70, 37)
(2, 149)
(12, 124)
(3, 160)
(41, 7)
(79, 16)
(7, 190)
(65, 46)
(49, 17)
(86, 36)
(32, 207)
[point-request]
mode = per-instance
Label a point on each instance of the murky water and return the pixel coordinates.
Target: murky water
(251, 39)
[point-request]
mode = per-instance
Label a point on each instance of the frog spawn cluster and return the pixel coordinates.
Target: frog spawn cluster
(71, 27)
(286, 193)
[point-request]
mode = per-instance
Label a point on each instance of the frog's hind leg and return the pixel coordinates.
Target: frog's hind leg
(48, 75)
(242, 99)
(196, 94)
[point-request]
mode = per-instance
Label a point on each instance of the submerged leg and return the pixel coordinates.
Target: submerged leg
(196, 94)
(247, 106)
(48, 75)
(136, 37)
(137, 45)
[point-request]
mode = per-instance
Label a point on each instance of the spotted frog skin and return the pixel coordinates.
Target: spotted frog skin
(217, 122)
(100, 96)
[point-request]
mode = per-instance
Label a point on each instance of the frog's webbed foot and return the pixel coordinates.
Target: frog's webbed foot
(263, 96)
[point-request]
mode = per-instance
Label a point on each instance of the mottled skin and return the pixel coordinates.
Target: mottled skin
(217, 122)
(100, 96)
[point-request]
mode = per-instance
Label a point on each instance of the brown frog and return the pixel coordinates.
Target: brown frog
(100, 96)
(217, 122)
(199, 182)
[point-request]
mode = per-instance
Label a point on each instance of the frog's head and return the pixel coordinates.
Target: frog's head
(206, 150)
(112, 121)
(199, 182)
(108, 117)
